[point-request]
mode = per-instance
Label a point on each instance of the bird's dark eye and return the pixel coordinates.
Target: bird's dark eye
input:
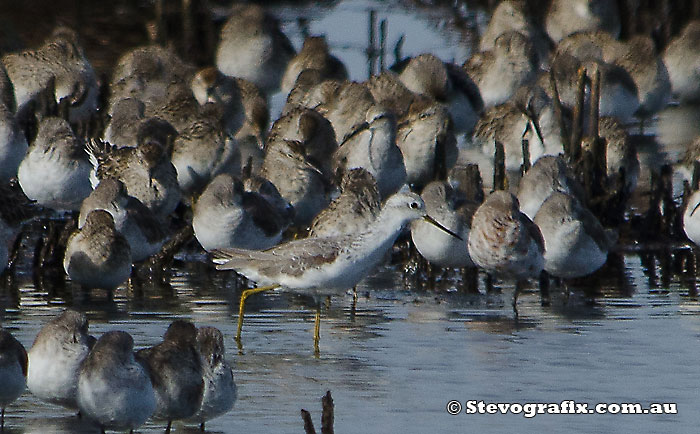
(415, 205)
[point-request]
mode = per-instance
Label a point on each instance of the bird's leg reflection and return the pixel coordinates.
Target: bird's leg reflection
(317, 330)
(516, 293)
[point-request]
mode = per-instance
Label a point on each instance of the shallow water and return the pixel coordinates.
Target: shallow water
(392, 364)
(404, 353)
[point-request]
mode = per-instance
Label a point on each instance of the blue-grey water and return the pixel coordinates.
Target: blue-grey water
(394, 362)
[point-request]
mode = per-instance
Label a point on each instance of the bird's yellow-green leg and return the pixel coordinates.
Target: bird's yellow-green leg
(241, 308)
(317, 329)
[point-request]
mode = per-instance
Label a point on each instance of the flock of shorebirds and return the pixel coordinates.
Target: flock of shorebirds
(343, 171)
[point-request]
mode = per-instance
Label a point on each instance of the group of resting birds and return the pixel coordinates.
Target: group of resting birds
(185, 377)
(124, 156)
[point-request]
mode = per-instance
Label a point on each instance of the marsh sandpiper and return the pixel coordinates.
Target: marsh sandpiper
(324, 265)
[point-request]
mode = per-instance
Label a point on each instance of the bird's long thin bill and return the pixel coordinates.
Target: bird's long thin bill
(434, 222)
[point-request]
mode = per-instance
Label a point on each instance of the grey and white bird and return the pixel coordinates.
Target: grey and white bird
(142, 230)
(97, 255)
(504, 241)
(55, 358)
(575, 243)
(225, 216)
(60, 59)
(372, 146)
(55, 172)
(220, 390)
(175, 368)
(145, 170)
(357, 206)
(314, 54)
(253, 47)
(114, 390)
(443, 203)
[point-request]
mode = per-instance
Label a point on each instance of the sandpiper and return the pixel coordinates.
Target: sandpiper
(252, 46)
(175, 368)
(210, 86)
(346, 108)
(142, 230)
(649, 73)
(312, 131)
(150, 64)
(299, 180)
(314, 54)
(575, 243)
(682, 60)
(114, 390)
(373, 147)
(56, 170)
(549, 174)
(503, 240)
(388, 91)
(499, 72)
(225, 215)
(637, 56)
(219, 387)
(97, 255)
(443, 203)
(13, 144)
(62, 58)
(621, 152)
(55, 358)
(618, 92)
(145, 170)
(427, 142)
(427, 75)
(13, 371)
(565, 17)
(691, 218)
(145, 73)
(509, 125)
(324, 264)
(200, 152)
(120, 130)
(356, 207)
(516, 15)
(262, 186)
(257, 113)
(310, 90)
